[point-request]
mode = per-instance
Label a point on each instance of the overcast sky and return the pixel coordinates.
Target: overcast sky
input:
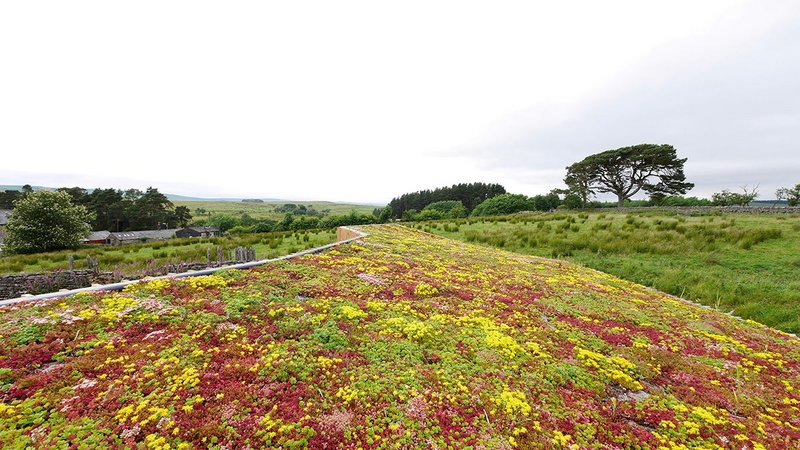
(362, 101)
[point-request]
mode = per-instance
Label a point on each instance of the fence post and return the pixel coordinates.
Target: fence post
(91, 264)
(71, 263)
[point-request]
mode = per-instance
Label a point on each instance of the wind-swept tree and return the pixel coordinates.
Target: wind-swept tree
(728, 198)
(579, 185)
(791, 195)
(655, 169)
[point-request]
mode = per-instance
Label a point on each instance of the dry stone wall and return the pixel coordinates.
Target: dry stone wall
(12, 286)
(689, 210)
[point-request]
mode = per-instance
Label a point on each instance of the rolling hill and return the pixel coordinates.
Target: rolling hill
(191, 199)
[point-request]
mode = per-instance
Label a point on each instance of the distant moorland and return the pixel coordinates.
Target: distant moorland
(267, 210)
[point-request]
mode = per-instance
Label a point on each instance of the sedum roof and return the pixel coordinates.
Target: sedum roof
(402, 340)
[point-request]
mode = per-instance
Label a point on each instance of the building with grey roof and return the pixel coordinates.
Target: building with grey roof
(97, 237)
(200, 232)
(4, 214)
(133, 237)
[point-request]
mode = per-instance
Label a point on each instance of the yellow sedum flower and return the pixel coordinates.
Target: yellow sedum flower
(206, 282)
(513, 402)
(425, 290)
(350, 313)
(114, 307)
(615, 369)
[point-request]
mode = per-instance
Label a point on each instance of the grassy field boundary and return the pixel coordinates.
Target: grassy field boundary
(348, 234)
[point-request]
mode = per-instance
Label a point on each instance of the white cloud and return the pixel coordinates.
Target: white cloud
(354, 101)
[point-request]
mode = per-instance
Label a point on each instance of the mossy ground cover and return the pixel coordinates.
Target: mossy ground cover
(136, 259)
(745, 264)
(401, 340)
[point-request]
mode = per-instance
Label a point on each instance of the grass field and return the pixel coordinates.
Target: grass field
(267, 210)
(134, 260)
(745, 264)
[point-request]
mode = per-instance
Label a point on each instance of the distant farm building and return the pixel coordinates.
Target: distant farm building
(98, 238)
(198, 232)
(4, 214)
(133, 237)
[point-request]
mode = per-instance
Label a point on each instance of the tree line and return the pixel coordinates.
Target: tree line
(469, 194)
(9, 196)
(116, 209)
(54, 220)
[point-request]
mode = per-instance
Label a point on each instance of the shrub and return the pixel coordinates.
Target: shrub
(409, 214)
(677, 200)
(572, 201)
(240, 229)
(265, 226)
(728, 198)
(351, 219)
(44, 221)
(504, 204)
(223, 222)
(305, 223)
(791, 195)
(547, 202)
(451, 209)
(430, 214)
